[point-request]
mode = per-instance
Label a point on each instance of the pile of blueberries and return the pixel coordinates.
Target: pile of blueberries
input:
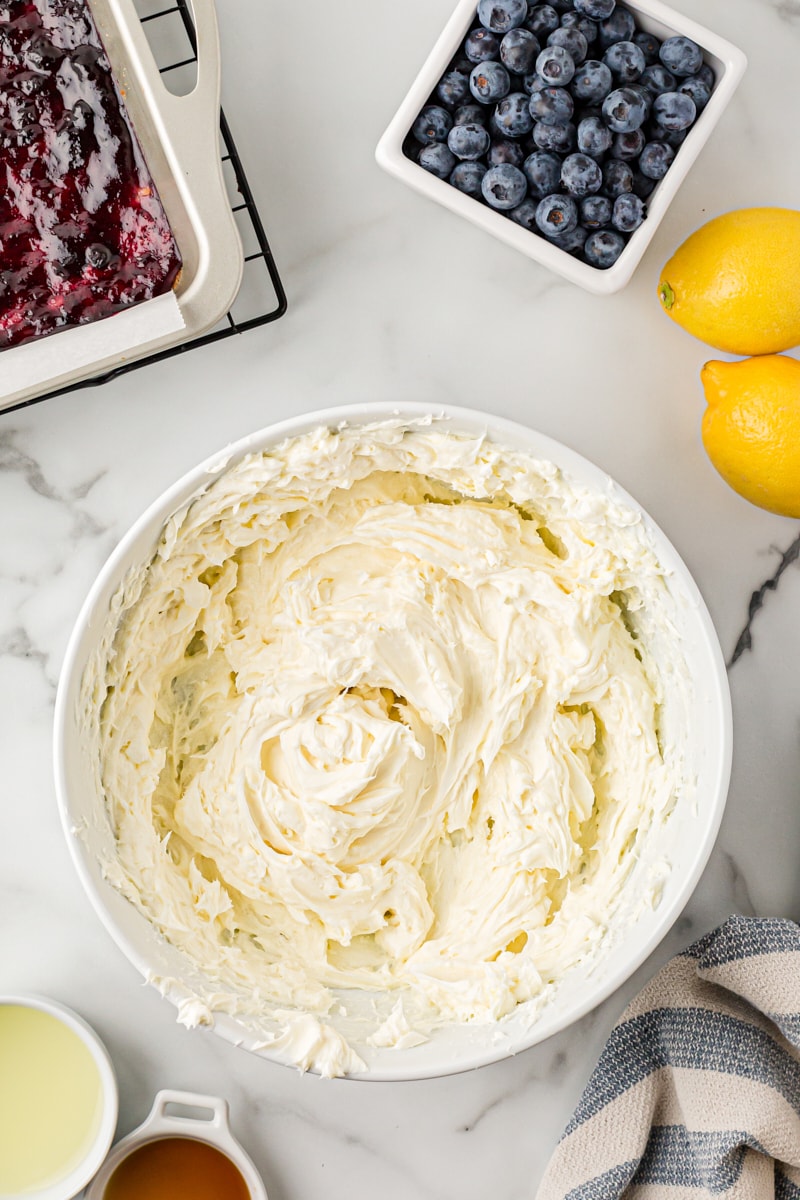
(562, 116)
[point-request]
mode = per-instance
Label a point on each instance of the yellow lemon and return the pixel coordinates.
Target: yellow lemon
(751, 429)
(734, 283)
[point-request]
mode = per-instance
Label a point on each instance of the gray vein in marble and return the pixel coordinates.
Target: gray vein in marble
(787, 559)
(742, 900)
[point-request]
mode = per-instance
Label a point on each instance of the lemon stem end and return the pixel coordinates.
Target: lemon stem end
(666, 295)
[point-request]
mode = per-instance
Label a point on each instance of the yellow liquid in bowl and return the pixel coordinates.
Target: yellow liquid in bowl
(51, 1100)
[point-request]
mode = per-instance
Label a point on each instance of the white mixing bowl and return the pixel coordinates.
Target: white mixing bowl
(685, 843)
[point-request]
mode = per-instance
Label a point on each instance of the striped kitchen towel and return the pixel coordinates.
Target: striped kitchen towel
(697, 1092)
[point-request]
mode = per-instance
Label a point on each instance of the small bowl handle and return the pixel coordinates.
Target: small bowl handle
(159, 1120)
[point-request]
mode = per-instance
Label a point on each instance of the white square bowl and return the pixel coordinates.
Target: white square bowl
(728, 64)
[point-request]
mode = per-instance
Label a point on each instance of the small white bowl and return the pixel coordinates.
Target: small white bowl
(728, 64)
(213, 1130)
(69, 1185)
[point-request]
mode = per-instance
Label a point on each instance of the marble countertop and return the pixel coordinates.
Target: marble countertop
(393, 298)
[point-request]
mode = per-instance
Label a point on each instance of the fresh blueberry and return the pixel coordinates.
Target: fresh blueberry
(573, 242)
(625, 60)
(525, 214)
(519, 50)
(624, 110)
(628, 213)
(467, 176)
(437, 159)
(481, 45)
(646, 96)
(533, 83)
(552, 106)
(657, 79)
(580, 175)
(504, 187)
(617, 178)
(502, 15)
(469, 141)
(470, 114)
(556, 65)
(619, 27)
(562, 6)
(674, 111)
(672, 137)
(642, 186)
(681, 55)
(707, 75)
(503, 150)
(542, 20)
(592, 81)
(513, 114)
(698, 89)
(649, 45)
(598, 10)
(543, 172)
(571, 40)
(594, 137)
(559, 139)
(584, 25)
(556, 215)
(489, 82)
(628, 145)
(603, 248)
(453, 89)
(656, 159)
(595, 212)
(432, 125)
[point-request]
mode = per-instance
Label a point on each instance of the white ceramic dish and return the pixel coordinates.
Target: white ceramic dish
(688, 836)
(728, 64)
(77, 1179)
(213, 1129)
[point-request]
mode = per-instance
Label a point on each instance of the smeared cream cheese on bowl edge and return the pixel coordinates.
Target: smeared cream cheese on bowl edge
(381, 733)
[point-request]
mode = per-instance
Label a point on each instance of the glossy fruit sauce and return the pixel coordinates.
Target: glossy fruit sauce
(82, 231)
(176, 1168)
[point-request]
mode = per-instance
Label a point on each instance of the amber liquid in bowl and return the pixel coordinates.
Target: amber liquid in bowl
(176, 1168)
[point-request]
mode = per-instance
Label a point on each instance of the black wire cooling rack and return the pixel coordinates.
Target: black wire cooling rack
(261, 297)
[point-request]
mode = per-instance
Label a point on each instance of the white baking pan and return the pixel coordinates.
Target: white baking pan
(179, 136)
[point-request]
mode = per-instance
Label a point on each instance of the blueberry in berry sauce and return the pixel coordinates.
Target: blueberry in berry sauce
(453, 89)
(551, 106)
(617, 178)
(628, 213)
(432, 125)
(505, 150)
(556, 215)
(619, 27)
(580, 175)
(603, 248)
(556, 65)
(625, 61)
(598, 10)
(470, 114)
(489, 82)
(560, 139)
(543, 172)
(542, 20)
(438, 159)
(595, 212)
(98, 256)
(481, 45)
(504, 187)
(628, 145)
(592, 81)
(502, 15)
(674, 111)
(624, 110)
(573, 20)
(697, 89)
(469, 141)
(467, 176)
(656, 159)
(594, 137)
(649, 45)
(657, 79)
(681, 55)
(571, 40)
(519, 50)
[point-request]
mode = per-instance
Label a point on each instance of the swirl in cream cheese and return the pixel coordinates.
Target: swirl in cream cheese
(377, 716)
